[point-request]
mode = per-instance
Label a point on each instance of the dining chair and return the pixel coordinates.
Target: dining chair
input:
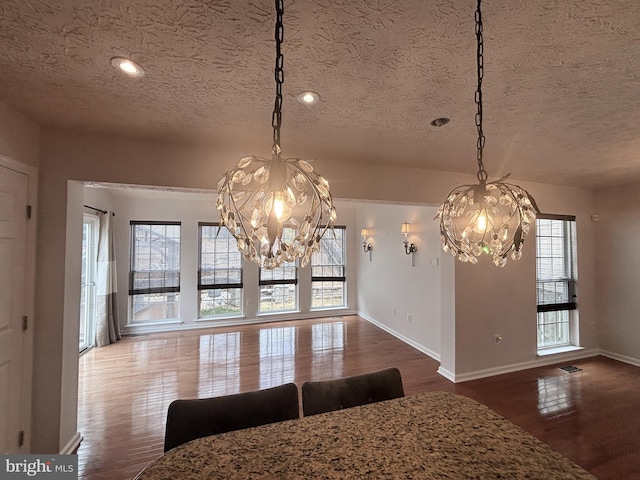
(196, 418)
(329, 395)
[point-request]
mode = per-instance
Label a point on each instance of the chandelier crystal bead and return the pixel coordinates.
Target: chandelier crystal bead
(277, 209)
(491, 217)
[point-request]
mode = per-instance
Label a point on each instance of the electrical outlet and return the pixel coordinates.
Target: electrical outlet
(248, 302)
(409, 318)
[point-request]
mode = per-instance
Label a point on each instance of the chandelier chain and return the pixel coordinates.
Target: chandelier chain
(487, 218)
(262, 201)
(482, 173)
(276, 118)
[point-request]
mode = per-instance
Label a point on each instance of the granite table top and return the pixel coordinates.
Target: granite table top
(434, 435)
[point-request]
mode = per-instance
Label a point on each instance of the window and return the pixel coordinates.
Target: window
(327, 271)
(154, 278)
(279, 287)
(556, 279)
(219, 272)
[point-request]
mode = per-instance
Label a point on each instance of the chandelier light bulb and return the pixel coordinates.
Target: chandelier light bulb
(278, 205)
(480, 222)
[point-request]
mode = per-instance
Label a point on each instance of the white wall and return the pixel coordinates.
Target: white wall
(71, 324)
(618, 265)
(98, 198)
(507, 296)
(19, 137)
(389, 288)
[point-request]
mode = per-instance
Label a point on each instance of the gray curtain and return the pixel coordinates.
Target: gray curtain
(107, 328)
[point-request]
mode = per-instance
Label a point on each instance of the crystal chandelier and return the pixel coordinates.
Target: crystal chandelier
(277, 209)
(490, 217)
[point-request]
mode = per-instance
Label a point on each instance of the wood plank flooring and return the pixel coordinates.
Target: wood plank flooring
(591, 416)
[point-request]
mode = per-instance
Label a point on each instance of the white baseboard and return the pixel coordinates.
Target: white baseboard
(72, 445)
(407, 340)
(516, 367)
(447, 374)
(621, 358)
(230, 322)
(490, 372)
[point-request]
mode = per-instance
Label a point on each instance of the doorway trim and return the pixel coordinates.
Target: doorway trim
(30, 276)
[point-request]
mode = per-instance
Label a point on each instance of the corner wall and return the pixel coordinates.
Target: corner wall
(402, 299)
(617, 234)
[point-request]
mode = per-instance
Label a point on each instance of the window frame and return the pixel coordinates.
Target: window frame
(282, 282)
(162, 290)
(216, 286)
(322, 278)
(152, 290)
(570, 278)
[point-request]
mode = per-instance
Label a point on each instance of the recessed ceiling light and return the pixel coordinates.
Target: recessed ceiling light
(128, 67)
(308, 98)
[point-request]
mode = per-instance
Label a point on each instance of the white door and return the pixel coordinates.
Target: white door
(13, 237)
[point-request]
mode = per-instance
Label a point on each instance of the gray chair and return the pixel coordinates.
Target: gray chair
(191, 419)
(329, 395)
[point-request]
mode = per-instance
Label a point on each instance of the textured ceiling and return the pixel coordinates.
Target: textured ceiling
(561, 89)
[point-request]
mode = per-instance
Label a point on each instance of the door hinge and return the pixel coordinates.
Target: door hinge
(25, 323)
(21, 438)
(29, 212)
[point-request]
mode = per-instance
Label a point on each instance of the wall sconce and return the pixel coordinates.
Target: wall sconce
(409, 249)
(367, 247)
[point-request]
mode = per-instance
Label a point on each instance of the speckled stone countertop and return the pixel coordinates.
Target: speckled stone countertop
(433, 435)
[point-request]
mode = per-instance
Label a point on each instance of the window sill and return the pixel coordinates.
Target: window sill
(556, 350)
(279, 312)
(153, 322)
(325, 309)
(215, 319)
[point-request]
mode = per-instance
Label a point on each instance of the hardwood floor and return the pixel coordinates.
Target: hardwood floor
(591, 416)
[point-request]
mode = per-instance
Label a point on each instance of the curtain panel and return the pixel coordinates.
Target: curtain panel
(107, 326)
